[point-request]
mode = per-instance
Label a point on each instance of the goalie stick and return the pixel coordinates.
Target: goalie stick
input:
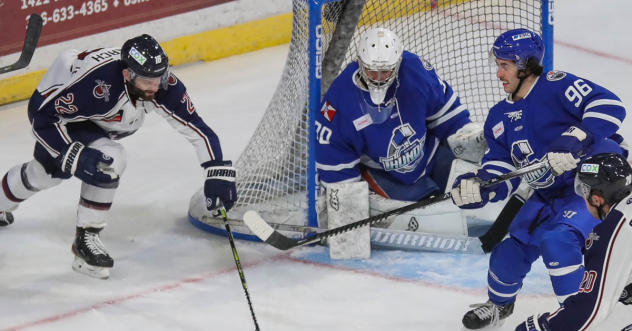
(33, 32)
(266, 233)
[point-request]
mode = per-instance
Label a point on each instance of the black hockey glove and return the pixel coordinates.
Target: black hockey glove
(535, 323)
(626, 295)
(220, 187)
(90, 165)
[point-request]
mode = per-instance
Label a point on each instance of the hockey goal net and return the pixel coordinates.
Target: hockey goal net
(276, 173)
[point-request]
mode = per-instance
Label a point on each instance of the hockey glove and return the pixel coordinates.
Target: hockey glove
(90, 165)
(564, 152)
(626, 295)
(468, 194)
(220, 188)
(535, 323)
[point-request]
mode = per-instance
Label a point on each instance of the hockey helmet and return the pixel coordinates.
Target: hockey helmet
(379, 56)
(518, 45)
(609, 173)
(145, 58)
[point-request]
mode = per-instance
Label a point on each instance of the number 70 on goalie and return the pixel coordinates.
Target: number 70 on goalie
(323, 134)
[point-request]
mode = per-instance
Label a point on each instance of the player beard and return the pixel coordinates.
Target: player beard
(136, 93)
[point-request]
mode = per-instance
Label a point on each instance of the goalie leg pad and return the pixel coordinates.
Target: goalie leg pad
(347, 203)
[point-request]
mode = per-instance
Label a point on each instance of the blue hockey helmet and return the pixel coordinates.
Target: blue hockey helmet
(518, 45)
(144, 56)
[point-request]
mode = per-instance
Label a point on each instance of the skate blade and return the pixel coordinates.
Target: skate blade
(487, 328)
(82, 267)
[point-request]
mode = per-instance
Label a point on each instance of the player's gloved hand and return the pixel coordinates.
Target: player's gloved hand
(468, 194)
(564, 152)
(535, 323)
(90, 165)
(220, 187)
(626, 295)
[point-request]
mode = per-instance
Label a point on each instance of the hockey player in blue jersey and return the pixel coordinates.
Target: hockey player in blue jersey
(557, 118)
(605, 182)
(383, 119)
(85, 102)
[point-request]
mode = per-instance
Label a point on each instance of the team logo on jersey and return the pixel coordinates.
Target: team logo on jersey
(328, 111)
(518, 128)
(426, 64)
(404, 153)
(102, 90)
(522, 156)
(555, 75)
(592, 237)
(514, 115)
(172, 80)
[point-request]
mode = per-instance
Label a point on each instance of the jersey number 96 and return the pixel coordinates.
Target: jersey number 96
(576, 92)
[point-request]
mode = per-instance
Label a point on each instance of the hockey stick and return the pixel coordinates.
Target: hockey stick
(239, 269)
(267, 234)
(33, 32)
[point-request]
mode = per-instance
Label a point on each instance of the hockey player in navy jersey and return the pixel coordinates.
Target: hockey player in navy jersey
(85, 102)
(383, 119)
(557, 118)
(605, 182)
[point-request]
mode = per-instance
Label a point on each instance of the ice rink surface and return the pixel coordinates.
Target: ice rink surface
(169, 275)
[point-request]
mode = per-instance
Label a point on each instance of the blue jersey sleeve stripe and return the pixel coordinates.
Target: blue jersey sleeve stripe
(604, 117)
(603, 102)
(447, 117)
(350, 180)
(337, 167)
(443, 110)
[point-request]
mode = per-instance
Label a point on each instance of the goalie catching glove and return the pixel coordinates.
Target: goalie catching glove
(469, 143)
(564, 152)
(467, 192)
(220, 188)
(90, 165)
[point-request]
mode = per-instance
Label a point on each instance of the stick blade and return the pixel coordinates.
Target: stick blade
(265, 232)
(33, 32)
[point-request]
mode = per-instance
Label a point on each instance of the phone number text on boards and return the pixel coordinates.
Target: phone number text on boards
(87, 8)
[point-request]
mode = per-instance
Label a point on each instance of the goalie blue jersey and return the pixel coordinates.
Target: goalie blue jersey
(400, 137)
(519, 133)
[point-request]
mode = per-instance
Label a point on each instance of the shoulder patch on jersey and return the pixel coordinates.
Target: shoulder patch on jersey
(362, 122)
(426, 64)
(498, 129)
(328, 111)
(172, 79)
(555, 75)
(102, 90)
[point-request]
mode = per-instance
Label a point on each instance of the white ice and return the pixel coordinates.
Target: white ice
(169, 275)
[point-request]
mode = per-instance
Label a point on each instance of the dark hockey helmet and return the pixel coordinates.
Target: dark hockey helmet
(518, 45)
(609, 173)
(144, 57)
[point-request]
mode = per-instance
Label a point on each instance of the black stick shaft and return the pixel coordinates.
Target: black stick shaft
(239, 269)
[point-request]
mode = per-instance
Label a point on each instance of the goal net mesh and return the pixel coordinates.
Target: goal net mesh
(455, 36)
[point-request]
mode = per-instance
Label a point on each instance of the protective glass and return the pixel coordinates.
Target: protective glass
(582, 189)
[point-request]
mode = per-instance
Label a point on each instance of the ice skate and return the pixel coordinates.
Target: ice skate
(486, 316)
(6, 218)
(91, 259)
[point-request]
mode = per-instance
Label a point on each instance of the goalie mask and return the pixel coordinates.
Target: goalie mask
(379, 57)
